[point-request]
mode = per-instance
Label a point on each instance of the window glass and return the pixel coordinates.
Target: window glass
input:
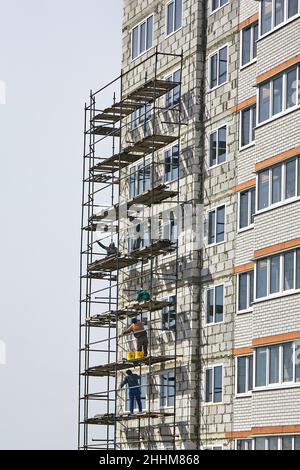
(275, 274)
(178, 14)
(246, 119)
(277, 95)
(244, 209)
(250, 372)
(298, 269)
(209, 390)
(170, 18)
(262, 276)
(253, 205)
(149, 32)
(135, 44)
(243, 291)
(264, 102)
(246, 45)
(261, 367)
(273, 443)
(263, 189)
(289, 271)
(274, 364)
(241, 379)
(251, 276)
(219, 294)
(222, 147)
(222, 65)
(214, 71)
(220, 224)
(292, 8)
(260, 443)
(253, 122)
(266, 16)
(288, 362)
(276, 184)
(291, 88)
(279, 11)
(213, 149)
(143, 37)
(297, 442)
(210, 305)
(211, 227)
(218, 384)
(255, 38)
(287, 443)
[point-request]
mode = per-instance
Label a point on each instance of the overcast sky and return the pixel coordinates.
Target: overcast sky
(51, 53)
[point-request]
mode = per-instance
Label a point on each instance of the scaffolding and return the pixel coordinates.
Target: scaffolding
(109, 280)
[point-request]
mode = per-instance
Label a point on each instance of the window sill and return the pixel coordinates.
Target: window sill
(173, 32)
(211, 245)
(277, 296)
(245, 66)
(281, 25)
(243, 395)
(217, 86)
(278, 116)
(246, 229)
(141, 54)
(244, 312)
(277, 205)
(213, 167)
(214, 323)
(286, 386)
(245, 147)
(218, 9)
(221, 403)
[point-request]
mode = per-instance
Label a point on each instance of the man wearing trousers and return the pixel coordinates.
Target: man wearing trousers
(133, 382)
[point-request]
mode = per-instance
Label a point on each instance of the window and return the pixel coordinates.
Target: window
(216, 225)
(244, 374)
(277, 443)
(174, 16)
(142, 37)
(215, 304)
(249, 43)
(247, 208)
(218, 4)
(248, 125)
(173, 96)
(139, 179)
(140, 117)
(214, 384)
(277, 364)
(218, 146)
(169, 315)
(276, 12)
(279, 183)
(279, 94)
(172, 164)
(167, 389)
(245, 291)
(277, 274)
(218, 64)
(244, 444)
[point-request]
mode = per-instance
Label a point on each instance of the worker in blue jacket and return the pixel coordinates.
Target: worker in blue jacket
(133, 381)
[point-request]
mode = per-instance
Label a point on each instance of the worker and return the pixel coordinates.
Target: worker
(137, 328)
(110, 250)
(143, 296)
(133, 381)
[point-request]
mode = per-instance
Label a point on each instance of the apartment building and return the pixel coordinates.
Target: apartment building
(213, 237)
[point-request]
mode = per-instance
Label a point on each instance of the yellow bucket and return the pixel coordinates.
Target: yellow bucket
(139, 355)
(130, 355)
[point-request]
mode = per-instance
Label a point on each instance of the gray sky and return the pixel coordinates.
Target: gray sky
(51, 53)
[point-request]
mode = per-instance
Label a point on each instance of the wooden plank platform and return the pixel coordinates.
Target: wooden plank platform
(135, 100)
(157, 248)
(135, 152)
(153, 196)
(110, 369)
(150, 306)
(111, 263)
(101, 276)
(106, 131)
(104, 420)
